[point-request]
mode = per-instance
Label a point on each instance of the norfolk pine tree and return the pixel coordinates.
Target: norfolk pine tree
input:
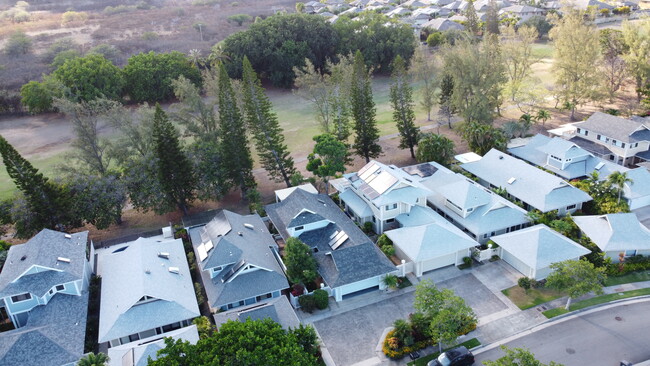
(236, 155)
(174, 168)
(263, 122)
(401, 99)
(363, 111)
(447, 107)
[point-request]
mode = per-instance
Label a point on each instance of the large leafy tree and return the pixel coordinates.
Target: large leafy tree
(252, 342)
(517, 51)
(438, 148)
(330, 156)
(98, 200)
(235, 153)
(148, 76)
(363, 111)
(612, 45)
(174, 168)
(195, 112)
(301, 265)
(424, 70)
(576, 278)
(90, 77)
(637, 58)
(263, 122)
(46, 203)
(472, 22)
(519, 357)
(401, 99)
(577, 51)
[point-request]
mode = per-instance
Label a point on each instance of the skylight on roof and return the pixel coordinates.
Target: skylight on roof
(599, 165)
(512, 180)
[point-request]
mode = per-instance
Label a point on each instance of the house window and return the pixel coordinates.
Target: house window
(571, 207)
(51, 291)
(484, 236)
(492, 233)
(21, 297)
(391, 207)
(623, 144)
(134, 337)
(170, 327)
(299, 228)
(598, 137)
(60, 287)
(263, 297)
(373, 219)
(630, 253)
(390, 220)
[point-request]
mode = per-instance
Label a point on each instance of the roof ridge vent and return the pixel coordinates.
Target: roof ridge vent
(249, 226)
(175, 270)
(67, 236)
(63, 259)
(163, 255)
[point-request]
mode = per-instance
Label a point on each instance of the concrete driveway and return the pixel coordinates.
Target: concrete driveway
(352, 337)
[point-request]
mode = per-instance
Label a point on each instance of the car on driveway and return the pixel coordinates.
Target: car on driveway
(459, 356)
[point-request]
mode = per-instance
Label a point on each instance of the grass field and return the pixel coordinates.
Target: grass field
(534, 297)
(543, 50)
(596, 301)
(47, 166)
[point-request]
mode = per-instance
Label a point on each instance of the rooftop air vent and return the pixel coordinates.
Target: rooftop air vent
(500, 157)
(68, 236)
(321, 201)
(163, 255)
(240, 233)
(512, 180)
(147, 271)
(174, 270)
(249, 226)
(62, 259)
(23, 257)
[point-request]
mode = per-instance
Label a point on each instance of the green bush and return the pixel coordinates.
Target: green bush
(321, 298)
(240, 18)
(384, 240)
(435, 39)
(91, 77)
(307, 303)
(18, 44)
(389, 250)
(525, 283)
(631, 264)
(467, 261)
(391, 281)
(368, 228)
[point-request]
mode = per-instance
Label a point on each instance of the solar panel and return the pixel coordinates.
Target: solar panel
(366, 167)
(233, 270)
(368, 173)
(368, 191)
(340, 241)
(334, 234)
(336, 238)
(371, 177)
(384, 181)
(202, 252)
(208, 245)
(372, 195)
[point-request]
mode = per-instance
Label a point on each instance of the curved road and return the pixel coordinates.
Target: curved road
(603, 336)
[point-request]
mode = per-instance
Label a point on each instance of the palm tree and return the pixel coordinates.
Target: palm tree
(93, 359)
(525, 121)
(618, 180)
(543, 115)
(194, 55)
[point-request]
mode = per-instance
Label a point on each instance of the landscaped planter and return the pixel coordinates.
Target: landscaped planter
(483, 255)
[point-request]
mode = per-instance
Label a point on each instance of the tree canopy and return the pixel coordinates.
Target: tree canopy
(90, 77)
(577, 278)
(301, 265)
(330, 156)
(519, 357)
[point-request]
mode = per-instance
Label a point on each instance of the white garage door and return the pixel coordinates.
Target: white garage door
(435, 263)
(361, 285)
(519, 265)
(640, 202)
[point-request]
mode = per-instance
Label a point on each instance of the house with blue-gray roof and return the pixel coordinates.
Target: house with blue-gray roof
(278, 309)
(535, 188)
(146, 293)
(43, 290)
(348, 262)
(569, 161)
(616, 234)
(239, 261)
(474, 209)
(378, 193)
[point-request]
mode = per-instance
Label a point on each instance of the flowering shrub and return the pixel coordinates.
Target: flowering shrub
(392, 349)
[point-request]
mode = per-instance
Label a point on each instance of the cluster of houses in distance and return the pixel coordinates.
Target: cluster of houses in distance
(434, 216)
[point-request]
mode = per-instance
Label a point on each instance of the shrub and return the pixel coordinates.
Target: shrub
(391, 281)
(10, 102)
(494, 258)
(91, 77)
(149, 36)
(297, 289)
(199, 293)
(384, 240)
(524, 282)
(389, 250)
(18, 44)
(321, 298)
(307, 303)
(38, 97)
(368, 228)
(57, 47)
(64, 56)
(392, 349)
(73, 16)
(435, 39)
(240, 18)
(467, 261)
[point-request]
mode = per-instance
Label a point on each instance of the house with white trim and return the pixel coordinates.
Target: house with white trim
(44, 292)
(616, 233)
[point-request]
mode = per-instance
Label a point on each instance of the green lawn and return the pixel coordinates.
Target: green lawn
(422, 361)
(47, 166)
(543, 50)
(597, 300)
(628, 278)
(534, 297)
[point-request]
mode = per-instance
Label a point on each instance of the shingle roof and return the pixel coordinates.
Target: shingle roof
(130, 274)
(279, 310)
(539, 246)
(54, 334)
(615, 232)
(430, 241)
(618, 128)
(141, 351)
(43, 250)
(305, 218)
(281, 194)
(253, 246)
(537, 188)
(442, 24)
(356, 259)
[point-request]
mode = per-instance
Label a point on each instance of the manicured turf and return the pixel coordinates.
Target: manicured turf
(597, 300)
(543, 50)
(638, 276)
(534, 297)
(47, 166)
(422, 361)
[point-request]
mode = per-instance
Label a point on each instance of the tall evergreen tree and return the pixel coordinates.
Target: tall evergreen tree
(363, 111)
(174, 168)
(45, 200)
(236, 155)
(263, 122)
(401, 99)
(472, 22)
(447, 108)
(492, 18)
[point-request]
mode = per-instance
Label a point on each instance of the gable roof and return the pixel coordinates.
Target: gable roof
(429, 241)
(442, 24)
(354, 260)
(138, 271)
(140, 352)
(539, 246)
(615, 232)
(281, 194)
(618, 128)
(238, 239)
(43, 250)
(278, 309)
(531, 185)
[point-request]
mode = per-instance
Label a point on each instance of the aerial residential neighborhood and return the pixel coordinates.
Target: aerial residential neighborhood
(335, 182)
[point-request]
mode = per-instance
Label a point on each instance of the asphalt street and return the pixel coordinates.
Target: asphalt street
(604, 337)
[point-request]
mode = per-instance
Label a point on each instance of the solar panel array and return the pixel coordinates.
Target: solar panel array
(233, 270)
(203, 254)
(337, 239)
(382, 182)
(423, 170)
(368, 191)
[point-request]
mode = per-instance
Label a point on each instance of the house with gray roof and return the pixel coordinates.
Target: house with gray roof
(43, 290)
(278, 309)
(147, 291)
(523, 12)
(620, 140)
(378, 193)
(570, 161)
(531, 251)
(477, 211)
(616, 233)
(347, 261)
(239, 260)
(138, 353)
(535, 188)
(443, 25)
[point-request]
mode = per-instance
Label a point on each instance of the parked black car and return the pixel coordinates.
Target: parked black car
(459, 356)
